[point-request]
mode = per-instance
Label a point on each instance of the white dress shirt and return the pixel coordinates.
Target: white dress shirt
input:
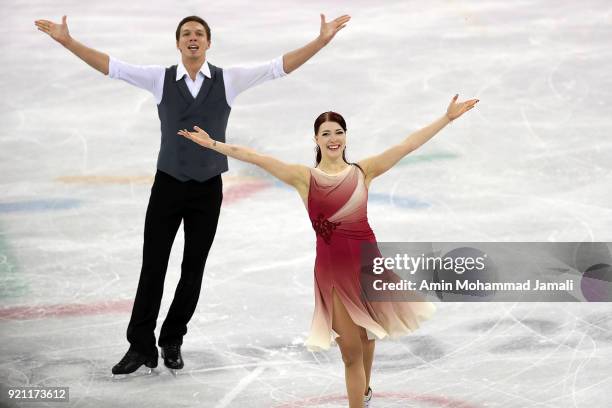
(236, 79)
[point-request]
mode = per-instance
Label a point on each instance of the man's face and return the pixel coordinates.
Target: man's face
(193, 41)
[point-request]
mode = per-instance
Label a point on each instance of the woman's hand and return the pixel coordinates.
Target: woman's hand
(456, 109)
(59, 32)
(199, 136)
(330, 29)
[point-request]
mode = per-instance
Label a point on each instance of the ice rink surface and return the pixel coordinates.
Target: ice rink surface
(530, 163)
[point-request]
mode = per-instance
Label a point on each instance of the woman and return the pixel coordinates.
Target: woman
(335, 195)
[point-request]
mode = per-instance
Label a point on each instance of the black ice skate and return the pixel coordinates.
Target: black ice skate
(132, 361)
(172, 357)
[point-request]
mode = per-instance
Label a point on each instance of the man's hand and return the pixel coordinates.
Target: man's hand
(59, 32)
(329, 30)
(296, 58)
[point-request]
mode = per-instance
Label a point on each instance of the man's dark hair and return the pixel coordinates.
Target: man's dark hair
(196, 19)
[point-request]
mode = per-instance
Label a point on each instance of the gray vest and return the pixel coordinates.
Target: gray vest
(180, 157)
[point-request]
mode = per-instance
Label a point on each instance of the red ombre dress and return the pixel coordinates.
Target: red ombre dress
(337, 207)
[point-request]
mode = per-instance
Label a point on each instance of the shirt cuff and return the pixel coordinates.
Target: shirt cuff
(277, 67)
(113, 67)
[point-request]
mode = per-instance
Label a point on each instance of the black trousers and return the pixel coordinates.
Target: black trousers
(198, 205)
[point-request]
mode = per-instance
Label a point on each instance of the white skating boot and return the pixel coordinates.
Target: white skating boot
(367, 399)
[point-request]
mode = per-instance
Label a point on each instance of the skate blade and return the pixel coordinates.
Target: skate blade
(173, 372)
(141, 372)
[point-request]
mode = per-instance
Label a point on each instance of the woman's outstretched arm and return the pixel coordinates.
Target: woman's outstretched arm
(374, 166)
(295, 175)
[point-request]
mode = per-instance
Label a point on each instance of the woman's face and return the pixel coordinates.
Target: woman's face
(331, 139)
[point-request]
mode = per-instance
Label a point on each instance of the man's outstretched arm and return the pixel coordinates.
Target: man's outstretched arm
(239, 79)
(60, 33)
(294, 59)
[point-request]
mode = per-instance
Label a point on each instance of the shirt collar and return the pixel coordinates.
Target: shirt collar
(181, 71)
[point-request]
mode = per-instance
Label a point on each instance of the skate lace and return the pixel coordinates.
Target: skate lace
(368, 397)
(126, 358)
(173, 349)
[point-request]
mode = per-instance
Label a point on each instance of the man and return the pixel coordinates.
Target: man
(187, 184)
